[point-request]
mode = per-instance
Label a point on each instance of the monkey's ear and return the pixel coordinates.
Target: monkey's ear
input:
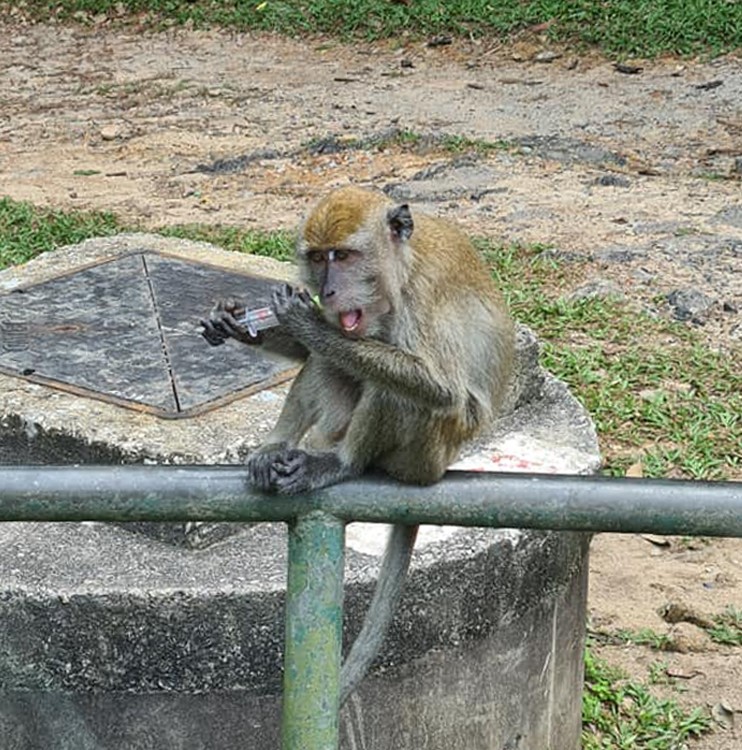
(400, 222)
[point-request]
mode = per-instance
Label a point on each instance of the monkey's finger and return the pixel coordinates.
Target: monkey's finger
(290, 462)
(231, 305)
(283, 469)
(228, 324)
(212, 334)
(280, 299)
(306, 297)
(259, 471)
(281, 292)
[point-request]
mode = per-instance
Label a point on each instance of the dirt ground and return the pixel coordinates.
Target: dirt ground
(640, 171)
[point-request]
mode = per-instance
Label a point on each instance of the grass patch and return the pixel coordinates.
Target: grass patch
(620, 27)
(26, 230)
(618, 714)
(656, 393)
(727, 628)
(645, 637)
(410, 141)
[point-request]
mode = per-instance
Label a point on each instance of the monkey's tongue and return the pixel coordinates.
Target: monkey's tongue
(349, 320)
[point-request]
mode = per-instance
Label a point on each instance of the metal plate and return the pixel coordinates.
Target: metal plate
(126, 331)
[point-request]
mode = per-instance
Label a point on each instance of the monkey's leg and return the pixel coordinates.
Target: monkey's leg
(297, 471)
(293, 422)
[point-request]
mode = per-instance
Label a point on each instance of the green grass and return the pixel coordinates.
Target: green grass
(405, 139)
(727, 628)
(26, 231)
(656, 393)
(645, 637)
(619, 27)
(618, 714)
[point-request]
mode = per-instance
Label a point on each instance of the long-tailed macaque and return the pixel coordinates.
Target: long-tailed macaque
(409, 350)
(408, 355)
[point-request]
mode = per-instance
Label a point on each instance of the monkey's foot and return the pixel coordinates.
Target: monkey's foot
(290, 472)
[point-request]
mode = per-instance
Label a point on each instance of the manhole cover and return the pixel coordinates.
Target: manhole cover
(126, 331)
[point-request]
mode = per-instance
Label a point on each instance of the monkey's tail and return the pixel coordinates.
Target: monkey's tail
(381, 610)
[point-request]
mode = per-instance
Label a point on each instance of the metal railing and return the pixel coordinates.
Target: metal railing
(316, 522)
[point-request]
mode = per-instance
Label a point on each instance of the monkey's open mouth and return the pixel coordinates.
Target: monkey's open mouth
(350, 320)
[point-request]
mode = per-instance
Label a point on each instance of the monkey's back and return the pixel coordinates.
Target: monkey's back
(462, 318)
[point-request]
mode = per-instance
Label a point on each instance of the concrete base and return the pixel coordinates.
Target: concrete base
(118, 640)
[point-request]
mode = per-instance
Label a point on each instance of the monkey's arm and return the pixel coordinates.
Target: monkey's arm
(365, 359)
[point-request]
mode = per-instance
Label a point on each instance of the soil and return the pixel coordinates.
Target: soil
(637, 174)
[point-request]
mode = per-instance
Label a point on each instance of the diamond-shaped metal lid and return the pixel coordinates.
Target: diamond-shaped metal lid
(126, 331)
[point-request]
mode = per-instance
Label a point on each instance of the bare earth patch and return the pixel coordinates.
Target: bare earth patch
(641, 173)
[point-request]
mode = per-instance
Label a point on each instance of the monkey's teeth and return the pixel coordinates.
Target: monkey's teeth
(350, 320)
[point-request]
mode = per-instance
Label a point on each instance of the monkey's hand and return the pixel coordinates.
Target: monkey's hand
(296, 310)
(222, 324)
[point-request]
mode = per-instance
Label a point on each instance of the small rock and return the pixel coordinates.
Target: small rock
(442, 40)
(730, 307)
(613, 180)
(546, 56)
(723, 715)
(709, 85)
(617, 254)
(689, 639)
(643, 276)
(689, 304)
(628, 68)
(676, 612)
(731, 215)
(595, 289)
(737, 166)
(111, 132)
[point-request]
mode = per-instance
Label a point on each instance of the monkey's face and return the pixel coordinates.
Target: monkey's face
(347, 290)
(353, 252)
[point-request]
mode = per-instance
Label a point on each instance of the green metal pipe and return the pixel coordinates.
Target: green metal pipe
(314, 619)
(174, 493)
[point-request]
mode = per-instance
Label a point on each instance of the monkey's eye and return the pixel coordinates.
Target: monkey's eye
(341, 254)
(316, 256)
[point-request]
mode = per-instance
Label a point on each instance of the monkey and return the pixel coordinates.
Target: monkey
(407, 356)
(408, 353)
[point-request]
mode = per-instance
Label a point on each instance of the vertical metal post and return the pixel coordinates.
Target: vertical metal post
(314, 619)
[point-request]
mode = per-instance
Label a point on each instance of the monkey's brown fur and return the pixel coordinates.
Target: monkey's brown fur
(408, 358)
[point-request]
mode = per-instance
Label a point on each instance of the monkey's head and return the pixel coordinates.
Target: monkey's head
(353, 252)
